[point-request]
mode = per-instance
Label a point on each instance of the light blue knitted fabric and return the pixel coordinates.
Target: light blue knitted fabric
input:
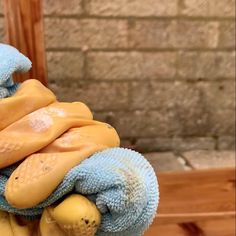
(120, 181)
(11, 60)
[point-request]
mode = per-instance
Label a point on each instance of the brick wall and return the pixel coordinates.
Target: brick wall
(161, 72)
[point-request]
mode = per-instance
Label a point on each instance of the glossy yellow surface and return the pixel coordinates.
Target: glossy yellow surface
(38, 129)
(75, 216)
(30, 96)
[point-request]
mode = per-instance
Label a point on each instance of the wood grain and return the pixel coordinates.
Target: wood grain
(220, 227)
(199, 202)
(24, 27)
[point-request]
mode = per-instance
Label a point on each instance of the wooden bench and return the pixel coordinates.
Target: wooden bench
(196, 203)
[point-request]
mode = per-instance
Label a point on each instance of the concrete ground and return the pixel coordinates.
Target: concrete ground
(197, 159)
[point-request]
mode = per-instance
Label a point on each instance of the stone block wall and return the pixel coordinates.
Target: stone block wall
(161, 72)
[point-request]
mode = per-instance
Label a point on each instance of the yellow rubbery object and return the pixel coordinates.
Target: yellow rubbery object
(39, 128)
(36, 177)
(11, 225)
(39, 175)
(5, 225)
(22, 227)
(77, 216)
(74, 139)
(30, 96)
(48, 226)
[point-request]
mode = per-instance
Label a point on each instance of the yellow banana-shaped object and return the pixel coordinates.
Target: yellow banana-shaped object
(74, 216)
(48, 226)
(5, 225)
(77, 216)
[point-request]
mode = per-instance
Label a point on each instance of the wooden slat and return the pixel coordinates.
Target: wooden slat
(189, 217)
(209, 190)
(196, 200)
(24, 26)
(220, 227)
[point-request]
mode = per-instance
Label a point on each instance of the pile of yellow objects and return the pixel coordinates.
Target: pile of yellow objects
(42, 134)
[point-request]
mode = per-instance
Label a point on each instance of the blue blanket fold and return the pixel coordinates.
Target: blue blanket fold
(11, 61)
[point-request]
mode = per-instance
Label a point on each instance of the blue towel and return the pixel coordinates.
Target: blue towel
(11, 60)
(120, 181)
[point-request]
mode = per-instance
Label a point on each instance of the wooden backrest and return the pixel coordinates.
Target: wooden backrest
(24, 27)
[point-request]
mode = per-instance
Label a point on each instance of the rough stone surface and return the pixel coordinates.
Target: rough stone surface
(154, 94)
(211, 65)
(227, 34)
(226, 143)
(164, 161)
(210, 159)
(152, 33)
(175, 144)
(222, 8)
(194, 7)
(65, 33)
(222, 122)
(197, 34)
(217, 95)
(64, 90)
(140, 123)
(130, 65)
(162, 123)
(201, 111)
(98, 96)
(154, 144)
(187, 144)
(217, 8)
(180, 34)
(132, 7)
(85, 33)
(179, 122)
(62, 7)
(65, 65)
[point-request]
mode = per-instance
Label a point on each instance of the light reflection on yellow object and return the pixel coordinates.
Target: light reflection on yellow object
(74, 216)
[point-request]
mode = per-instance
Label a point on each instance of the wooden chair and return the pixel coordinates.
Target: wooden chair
(195, 203)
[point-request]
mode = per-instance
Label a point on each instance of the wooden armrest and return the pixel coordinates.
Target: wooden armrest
(24, 27)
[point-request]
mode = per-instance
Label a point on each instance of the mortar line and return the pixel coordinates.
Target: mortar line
(143, 50)
(167, 18)
(133, 110)
(143, 80)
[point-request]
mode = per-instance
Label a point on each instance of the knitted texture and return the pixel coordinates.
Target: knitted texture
(11, 60)
(120, 181)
